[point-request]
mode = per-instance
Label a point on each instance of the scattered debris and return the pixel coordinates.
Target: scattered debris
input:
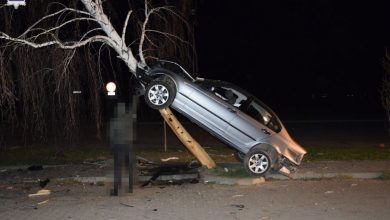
(43, 183)
(43, 202)
(226, 169)
(329, 192)
(354, 184)
(239, 206)
(169, 158)
(35, 167)
(154, 210)
(194, 181)
(10, 187)
(3, 171)
(42, 192)
(250, 181)
(127, 205)
(172, 169)
(234, 196)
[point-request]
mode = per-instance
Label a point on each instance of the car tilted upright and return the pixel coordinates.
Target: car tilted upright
(228, 112)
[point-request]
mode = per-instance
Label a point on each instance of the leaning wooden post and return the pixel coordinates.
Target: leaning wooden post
(192, 145)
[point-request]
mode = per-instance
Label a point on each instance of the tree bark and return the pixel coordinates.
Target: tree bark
(192, 145)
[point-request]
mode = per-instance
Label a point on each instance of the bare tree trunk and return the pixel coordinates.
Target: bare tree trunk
(192, 145)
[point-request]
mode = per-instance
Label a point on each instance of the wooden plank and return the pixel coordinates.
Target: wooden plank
(192, 145)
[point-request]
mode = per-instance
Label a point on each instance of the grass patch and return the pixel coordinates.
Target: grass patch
(66, 181)
(351, 151)
(51, 156)
(95, 152)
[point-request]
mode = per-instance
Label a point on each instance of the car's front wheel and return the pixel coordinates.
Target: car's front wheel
(257, 162)
(160, 93)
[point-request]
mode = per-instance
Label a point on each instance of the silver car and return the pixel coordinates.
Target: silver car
(228, 112)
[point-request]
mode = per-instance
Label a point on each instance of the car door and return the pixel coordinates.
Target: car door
(256, 120)
(210, 111)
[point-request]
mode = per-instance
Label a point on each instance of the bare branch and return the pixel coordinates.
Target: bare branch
(66, 45)
(169, 35)
(143, 31)
(125, 27)
(63, 24)
(52, 15)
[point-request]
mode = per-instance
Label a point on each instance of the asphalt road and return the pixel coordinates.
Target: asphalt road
(325, 199)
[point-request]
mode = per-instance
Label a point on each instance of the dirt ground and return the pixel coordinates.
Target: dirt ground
(325, 199)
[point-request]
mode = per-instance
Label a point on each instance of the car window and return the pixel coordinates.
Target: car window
(259, 113)
(262, 115)
(228, 95)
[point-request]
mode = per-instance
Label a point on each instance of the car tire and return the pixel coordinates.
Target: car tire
(239, 156)
(160, 93)
(257, 162)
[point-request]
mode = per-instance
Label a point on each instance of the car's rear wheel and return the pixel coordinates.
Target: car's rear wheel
(160, 93)
(257, 162)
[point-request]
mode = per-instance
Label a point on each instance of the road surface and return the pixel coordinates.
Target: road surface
(321, 199)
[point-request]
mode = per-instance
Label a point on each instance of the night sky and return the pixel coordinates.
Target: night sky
(314, 59)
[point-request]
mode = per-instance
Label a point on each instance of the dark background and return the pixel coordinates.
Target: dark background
(317, 59)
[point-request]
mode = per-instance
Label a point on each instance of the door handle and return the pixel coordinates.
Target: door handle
(265, 131)
(231, 110)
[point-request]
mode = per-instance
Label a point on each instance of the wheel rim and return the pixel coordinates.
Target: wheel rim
(158, 94)
(258, 163)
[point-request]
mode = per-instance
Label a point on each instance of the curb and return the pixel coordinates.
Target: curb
(246, 181)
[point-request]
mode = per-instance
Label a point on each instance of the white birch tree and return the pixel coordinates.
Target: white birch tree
(101, 30)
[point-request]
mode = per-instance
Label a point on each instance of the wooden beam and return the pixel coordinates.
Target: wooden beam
(192, 145)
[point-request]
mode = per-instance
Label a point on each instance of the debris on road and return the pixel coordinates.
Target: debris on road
(127, 205)
(43, 202)
(329, 192)
(42, 192)
(250, 181)
(239, 206)
(234, 196)
(43, 183)
(169, 158)
(177, 170)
